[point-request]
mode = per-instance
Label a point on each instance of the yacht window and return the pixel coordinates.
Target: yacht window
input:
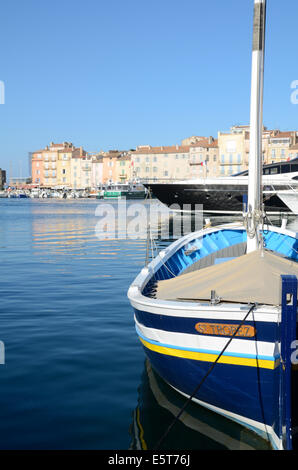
(285, 168)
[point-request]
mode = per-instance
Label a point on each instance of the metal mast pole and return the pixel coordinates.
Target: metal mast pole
(254, 215)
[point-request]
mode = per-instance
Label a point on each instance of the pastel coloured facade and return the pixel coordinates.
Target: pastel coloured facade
(109, 168)
(160, 163)
(204, 159)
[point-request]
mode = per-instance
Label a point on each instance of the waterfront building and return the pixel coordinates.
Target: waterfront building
(96, 171)
(2, 178)
(192, 140)
(124, 168)
(160, 163)
(233, 150)
(110, 167)
(46, 165)
(281, 146)
(63, 171)
(203, 159)
(53, 167)
(80, 169)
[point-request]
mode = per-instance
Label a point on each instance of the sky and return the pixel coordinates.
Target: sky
(114, 74)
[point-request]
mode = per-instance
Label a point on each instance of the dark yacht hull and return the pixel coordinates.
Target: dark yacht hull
(217, 198)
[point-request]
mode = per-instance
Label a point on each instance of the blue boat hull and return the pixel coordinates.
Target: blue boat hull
(248, 383)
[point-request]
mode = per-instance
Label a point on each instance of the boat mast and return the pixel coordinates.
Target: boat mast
(255, 202)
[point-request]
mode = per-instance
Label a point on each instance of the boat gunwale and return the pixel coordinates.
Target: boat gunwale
(140, 301)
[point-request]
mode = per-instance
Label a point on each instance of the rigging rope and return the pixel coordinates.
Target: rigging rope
(203, 380)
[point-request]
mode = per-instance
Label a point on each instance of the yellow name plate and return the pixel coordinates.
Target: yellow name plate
(245, 331)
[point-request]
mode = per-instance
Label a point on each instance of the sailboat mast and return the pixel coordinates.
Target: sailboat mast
(254, 215)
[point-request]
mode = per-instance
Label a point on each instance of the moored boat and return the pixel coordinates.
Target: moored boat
(216, 311)
(290, 198)
(122, 191)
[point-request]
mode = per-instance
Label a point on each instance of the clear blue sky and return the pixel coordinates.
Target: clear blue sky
(109, 74)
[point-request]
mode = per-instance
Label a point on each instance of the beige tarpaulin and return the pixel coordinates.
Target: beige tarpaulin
(248, 278)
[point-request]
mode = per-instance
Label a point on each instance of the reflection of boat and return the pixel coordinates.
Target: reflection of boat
(196, 429)
(121, 191)
(228, 194)
(208, 309)
(290, 198)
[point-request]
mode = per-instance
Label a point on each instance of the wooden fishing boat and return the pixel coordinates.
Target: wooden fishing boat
(216, 311)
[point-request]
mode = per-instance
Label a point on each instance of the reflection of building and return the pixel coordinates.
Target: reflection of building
(2, 178)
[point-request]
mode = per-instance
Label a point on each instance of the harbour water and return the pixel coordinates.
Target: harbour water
(75, 375)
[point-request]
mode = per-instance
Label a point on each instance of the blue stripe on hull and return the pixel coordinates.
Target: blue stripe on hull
(250, 392)
(265, 331)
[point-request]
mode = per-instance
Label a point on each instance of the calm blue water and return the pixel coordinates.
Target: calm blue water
(75, 375)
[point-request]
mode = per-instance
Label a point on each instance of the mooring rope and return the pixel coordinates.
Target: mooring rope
(203, 380)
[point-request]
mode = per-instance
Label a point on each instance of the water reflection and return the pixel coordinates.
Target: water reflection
(197, 428)
(71, 228)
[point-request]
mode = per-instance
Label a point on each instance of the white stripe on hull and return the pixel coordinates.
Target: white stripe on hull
(210, 343)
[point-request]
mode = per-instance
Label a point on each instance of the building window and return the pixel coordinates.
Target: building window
(239, 158)
(63, 172)
(222, 159)
(231, 158)
(166, 173)
(155, 169)
(147, 169)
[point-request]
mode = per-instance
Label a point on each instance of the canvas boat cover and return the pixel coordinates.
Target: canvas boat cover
(253, 277)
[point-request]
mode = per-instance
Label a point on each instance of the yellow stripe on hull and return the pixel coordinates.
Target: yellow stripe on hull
(205, 357)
